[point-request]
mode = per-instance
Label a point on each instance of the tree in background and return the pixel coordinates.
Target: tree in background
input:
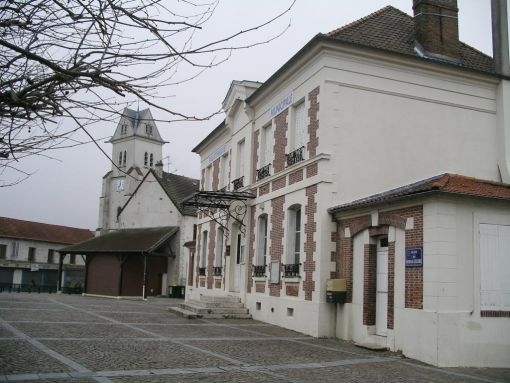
(66, 64)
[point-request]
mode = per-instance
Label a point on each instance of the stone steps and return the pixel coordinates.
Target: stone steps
(212, 307)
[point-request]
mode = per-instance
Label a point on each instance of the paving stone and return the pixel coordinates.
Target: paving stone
(87, 330)
(186, 331)
(205, 378)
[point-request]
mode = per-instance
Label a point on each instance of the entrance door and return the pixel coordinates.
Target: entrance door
(381, 305)
(238, 264)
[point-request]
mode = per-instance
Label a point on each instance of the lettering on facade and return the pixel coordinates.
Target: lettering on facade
(282, 105)
(217, 154)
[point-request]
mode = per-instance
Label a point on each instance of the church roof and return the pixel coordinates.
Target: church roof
(452, 184)
(178, 188)
(43, 232)
(137, 241)
(135, 122)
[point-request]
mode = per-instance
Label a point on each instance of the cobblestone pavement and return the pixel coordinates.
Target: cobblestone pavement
(69, 338)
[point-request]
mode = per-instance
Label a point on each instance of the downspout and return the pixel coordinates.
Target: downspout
(60, 267)
(144, 288)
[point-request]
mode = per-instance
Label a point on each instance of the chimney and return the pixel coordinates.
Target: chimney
(437, 28)
(159, 169)
(500, 37)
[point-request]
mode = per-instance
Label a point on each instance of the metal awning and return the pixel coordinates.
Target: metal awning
(221, 206)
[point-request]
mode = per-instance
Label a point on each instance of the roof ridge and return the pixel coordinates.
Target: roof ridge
(363, 19)
(44, 223)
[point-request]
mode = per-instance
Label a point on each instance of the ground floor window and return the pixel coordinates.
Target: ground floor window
(494, 266)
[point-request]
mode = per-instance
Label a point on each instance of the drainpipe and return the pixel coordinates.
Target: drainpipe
(500, 42)
(144, 288)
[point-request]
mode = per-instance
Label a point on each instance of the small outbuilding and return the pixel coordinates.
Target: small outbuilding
(128, 262)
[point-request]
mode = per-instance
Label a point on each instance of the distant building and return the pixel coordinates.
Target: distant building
(362, 191)
(142, 225)
(29, 258)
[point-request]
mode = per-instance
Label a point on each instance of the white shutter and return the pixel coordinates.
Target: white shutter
(494, 265)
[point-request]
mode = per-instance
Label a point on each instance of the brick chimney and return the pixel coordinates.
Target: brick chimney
(437, 28)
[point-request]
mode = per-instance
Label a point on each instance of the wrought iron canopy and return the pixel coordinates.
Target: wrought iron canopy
(221, 206)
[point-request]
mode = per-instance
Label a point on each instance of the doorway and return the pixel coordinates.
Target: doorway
(237, 261)
(381, 305)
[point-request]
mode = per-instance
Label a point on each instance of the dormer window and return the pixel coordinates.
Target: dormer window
(123, 129)
(148, 129)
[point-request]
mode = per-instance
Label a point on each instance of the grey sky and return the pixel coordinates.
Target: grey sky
(66, 191)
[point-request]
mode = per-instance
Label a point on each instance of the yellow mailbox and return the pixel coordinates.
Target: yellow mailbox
(336, 290)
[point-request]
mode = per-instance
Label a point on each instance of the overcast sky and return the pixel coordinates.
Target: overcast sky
(66, 191)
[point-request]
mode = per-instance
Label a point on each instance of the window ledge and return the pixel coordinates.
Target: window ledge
(292, 279)
(259, 279)
(218, 276)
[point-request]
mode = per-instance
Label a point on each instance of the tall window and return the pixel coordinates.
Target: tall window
(204, 250)
(262, 241)
(72, 259)
(125, 158)
(120, 159)
(123, 129)
(148, 129)
(299, 131)
(240, 159)
(266, 145)
(294, 238)
(31, 254)
(224, 171)
(15, 250)
(145, 159)
(3, 251)
(219, 248)
(151, 160)
(51, 256)
(494, 266)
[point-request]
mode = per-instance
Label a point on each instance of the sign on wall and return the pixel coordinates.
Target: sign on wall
(414, 257)
(282, 105)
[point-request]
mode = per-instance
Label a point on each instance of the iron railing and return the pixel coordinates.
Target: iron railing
(295, 156)
(259, 271)
(217, 271)
(263, 172)
(291, 270)
(238, 183)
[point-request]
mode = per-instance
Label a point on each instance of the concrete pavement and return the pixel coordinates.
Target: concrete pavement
(70, 338)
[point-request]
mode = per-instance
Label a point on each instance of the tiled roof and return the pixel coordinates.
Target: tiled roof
(444, 183)
(393, 30)
(36, 231)
(178, 188)
(137, 241)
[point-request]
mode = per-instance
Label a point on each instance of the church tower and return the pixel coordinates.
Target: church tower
(137, 146)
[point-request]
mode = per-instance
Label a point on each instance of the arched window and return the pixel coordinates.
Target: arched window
(145, 159)
(125, 158)
(120, 159)
(151, 160)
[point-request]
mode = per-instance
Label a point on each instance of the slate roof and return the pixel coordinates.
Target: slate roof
(43, 232)
(127, 241)
(178, 188)
(393, 30)
(447, 183)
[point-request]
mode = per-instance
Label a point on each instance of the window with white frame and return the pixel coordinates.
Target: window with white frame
(299, 130)
(219, 248)
(262, 240)
(203, 256)
(266, 145)
(494, 266)
(293, 241)
(224, 171)
(15, 250)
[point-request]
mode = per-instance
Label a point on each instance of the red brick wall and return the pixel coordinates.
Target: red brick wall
(313, 125)
(255, 155)
(391, 283)
(312, 170)
(414, 275)
(215, 174)
(369, 284)
(310, 245)
(264, 189)
(191, 267)
(292, 290)
(280, 141)
(276, 236)
(217, 283)
(260, 288)
(279, 183)
(198, 252)
(296, 176)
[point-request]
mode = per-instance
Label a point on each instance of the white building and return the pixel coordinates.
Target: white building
(29, 258)
(376, 155)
